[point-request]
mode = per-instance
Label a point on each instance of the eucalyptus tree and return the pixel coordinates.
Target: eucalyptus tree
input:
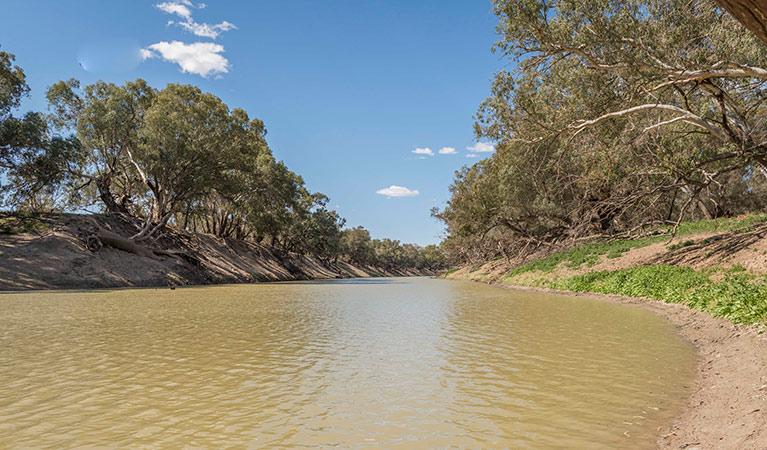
(29, 154)
(189, 143)
(152, 153)
(107, 120)
(613, 115)
(254, 198)
(13, 85)
(313, 228)
(275, 195)
(355, 245)
(677, 86)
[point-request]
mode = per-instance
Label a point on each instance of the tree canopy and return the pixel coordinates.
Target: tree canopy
(613, 116)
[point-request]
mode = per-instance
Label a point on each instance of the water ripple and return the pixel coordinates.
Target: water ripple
(404, 364)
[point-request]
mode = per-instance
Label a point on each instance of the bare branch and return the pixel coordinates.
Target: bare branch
(686, 116)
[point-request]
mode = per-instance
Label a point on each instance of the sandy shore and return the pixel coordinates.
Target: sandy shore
(728, 405)
(55, 257)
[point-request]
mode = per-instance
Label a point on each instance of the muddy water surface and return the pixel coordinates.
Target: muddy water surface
(388, 363)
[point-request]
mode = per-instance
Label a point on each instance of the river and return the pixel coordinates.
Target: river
(373, 363)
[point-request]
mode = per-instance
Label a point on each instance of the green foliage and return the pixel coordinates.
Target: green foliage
(28, 154)
(738, 297)
(13, 84)
(358, 248)
(587, 254)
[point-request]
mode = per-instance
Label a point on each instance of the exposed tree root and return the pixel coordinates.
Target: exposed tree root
(102, 237)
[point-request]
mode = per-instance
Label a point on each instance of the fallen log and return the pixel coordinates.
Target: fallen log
(114, 240)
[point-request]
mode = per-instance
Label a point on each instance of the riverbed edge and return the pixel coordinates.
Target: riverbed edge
(727, 407)
(56, 257)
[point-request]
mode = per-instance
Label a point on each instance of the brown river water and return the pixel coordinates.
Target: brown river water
(378, 363)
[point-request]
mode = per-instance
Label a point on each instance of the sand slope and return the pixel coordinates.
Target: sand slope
(56, 258)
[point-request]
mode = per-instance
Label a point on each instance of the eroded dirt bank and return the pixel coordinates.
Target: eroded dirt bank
(54, 256)
(728, 405)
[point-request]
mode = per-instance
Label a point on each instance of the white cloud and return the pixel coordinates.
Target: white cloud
(423, 151)
(182, 9)
(397, 191)
(201, 58)
(179, 8)
(471, 155)
(447, 151)
(205, 30)
(482, 147)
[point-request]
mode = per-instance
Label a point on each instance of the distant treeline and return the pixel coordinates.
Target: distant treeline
(613, 119)
(173, 157)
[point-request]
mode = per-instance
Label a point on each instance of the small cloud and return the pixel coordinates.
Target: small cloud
(423, 151)
(182, 9)
(205, 30)
(471, 155)
(179, 8)
(201, 58)
(397, 191)
(481, 147)
(447, 151)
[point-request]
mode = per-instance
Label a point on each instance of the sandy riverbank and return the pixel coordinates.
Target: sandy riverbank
(728, 405)
(53, 255)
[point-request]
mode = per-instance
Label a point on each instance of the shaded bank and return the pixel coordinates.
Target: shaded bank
(52, 253)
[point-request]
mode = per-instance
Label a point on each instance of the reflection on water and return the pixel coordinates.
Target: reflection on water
(363, 364)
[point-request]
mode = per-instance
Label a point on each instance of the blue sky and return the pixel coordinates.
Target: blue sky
(348, 90)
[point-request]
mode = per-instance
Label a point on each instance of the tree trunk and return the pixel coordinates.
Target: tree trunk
(106, 196)
(704, 209)
(751, 13)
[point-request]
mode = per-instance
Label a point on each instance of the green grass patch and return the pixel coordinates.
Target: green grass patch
(681, 245)
(739, 297)
(721, 224)
(589, 254)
